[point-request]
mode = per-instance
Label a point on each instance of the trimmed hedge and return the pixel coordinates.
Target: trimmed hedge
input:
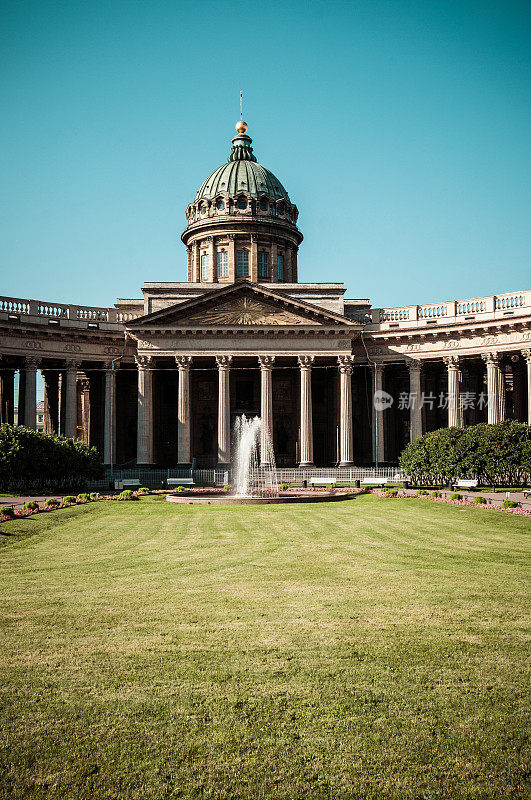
(494, 454)
(31, 461)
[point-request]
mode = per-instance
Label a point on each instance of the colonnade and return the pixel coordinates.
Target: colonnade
(266, 363)
(496, 411)
(65, 397)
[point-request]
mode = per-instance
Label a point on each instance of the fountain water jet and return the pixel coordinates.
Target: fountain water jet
(254, 473)
(251, 477)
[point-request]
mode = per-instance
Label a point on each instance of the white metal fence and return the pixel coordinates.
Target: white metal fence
(221, 477)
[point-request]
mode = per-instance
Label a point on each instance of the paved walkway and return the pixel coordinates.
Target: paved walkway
(495, 498)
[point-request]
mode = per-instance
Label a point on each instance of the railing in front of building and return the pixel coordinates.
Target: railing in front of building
(222, 477)
(477, 308)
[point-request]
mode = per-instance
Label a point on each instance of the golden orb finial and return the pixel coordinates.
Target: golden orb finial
(241, 126)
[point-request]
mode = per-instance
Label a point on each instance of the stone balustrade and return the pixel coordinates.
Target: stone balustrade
(43, 311)
(492, 307)
(488, 308)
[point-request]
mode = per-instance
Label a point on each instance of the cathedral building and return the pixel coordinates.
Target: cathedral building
(158, 381)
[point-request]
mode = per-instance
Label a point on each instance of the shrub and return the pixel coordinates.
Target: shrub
(7, 511)
(422, 493)
(490, 453)
(143, 490)
(436, 493)
(70, 498)
(456, 496)
(36, 461)
(283, 487)
(391, 492)
(95, 496)
(83, 497)
(480, 500)
(31, 505)
(509, 504)
(52, 502)
(127, 494)
(180, 489)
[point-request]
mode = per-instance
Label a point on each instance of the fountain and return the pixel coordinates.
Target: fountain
(254, 473)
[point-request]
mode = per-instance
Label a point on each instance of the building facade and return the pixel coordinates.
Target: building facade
(158, 381)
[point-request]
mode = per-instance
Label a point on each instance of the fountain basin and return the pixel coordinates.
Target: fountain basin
(205, 499)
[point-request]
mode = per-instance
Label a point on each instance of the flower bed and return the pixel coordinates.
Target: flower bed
(522, 512)
(69, 501)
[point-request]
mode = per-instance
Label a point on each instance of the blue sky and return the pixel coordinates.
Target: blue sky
(401, 129)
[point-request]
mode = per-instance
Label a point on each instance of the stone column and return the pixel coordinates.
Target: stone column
(378, 453)
(84, 409)
(266, 407)
(527, 355)
(190, 263)
(109, 416)
(224, 364)
(231, 258)
(501, 393)
(288, 277)
(184, 455)
(212, 266)
(70, 429)
(7, 395)
(455, 416)
(51, 401)
(274, 254)
(306, 455)
(493, 387)
(144, 435)
(415, 411)
(346, 444)
(196, 268)
(253, 266)
(30, 396)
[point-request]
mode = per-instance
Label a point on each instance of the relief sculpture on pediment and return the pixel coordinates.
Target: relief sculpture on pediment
(247, 311)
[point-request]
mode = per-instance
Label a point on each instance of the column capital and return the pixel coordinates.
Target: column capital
(379, 368)
(527, 355)
(452, 362)
(224, 362)
(266, 362)
(144, 362)
(72, 366)
(108, 366)
(414, 365)
(491, 358)
(183, 362)
(346, 364)
(305, 362)
(32, 362)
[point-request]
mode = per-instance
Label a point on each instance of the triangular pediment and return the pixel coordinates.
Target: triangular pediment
(240, 305)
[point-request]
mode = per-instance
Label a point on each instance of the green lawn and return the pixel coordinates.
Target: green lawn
(365, 649)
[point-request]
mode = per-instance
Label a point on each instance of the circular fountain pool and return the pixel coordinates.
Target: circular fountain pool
(254, 474)
(219, 498)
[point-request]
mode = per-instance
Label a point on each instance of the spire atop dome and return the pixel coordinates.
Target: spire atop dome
(241, 144)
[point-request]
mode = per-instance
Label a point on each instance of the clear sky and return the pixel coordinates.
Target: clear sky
(402, 130)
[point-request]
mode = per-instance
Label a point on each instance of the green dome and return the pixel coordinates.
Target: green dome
(241, 173)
